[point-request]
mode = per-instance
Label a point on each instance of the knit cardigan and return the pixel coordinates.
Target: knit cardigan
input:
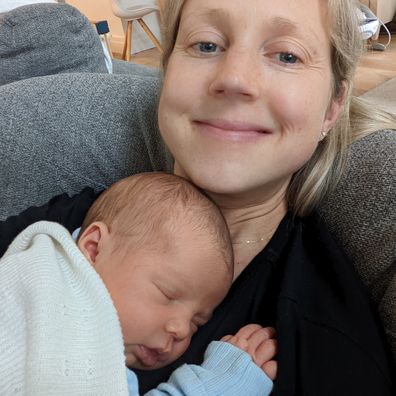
(59, 330)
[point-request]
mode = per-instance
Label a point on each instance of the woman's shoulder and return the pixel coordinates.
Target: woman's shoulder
(314, 272)
(321, 291)
(303, 251)
(63, 209)
(313, 249)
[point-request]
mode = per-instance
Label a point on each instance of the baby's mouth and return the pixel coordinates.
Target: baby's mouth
(149, 357)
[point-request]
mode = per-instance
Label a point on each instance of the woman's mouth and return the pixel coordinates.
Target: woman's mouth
(231, 130)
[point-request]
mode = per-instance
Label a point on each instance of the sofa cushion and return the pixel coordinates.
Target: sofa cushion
(42, 39)
(124, 67)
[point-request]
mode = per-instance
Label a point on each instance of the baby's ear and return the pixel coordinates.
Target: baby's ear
(89, 241)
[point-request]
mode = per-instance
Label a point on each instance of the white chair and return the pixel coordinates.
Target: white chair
(134, 10)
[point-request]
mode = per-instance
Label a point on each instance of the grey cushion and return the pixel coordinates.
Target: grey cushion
(361, 213)
(42, 39)
(64, 132)
(123, 67)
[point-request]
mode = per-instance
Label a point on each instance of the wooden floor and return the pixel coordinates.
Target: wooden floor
(375, 68)
(149, 57)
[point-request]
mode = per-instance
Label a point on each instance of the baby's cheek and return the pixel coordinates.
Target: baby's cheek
(181, 347)
(130, 359)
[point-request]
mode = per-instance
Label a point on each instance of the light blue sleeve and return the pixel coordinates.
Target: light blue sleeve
(133, 386)
(226, 370)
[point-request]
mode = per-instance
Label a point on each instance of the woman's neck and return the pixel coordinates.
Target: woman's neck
(251, 224)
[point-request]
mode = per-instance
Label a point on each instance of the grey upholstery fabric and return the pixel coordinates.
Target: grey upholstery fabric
(64, 132)
(43, 39)
(361, 213)
(74, 130)
(122, 67)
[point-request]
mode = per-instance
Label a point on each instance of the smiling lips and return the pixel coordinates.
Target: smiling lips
(232, 128)
(149, 356)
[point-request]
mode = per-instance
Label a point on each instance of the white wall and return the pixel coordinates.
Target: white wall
(99, 10)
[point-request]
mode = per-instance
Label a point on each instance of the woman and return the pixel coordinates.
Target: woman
(255, 110)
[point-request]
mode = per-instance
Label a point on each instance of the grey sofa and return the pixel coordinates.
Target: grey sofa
(61, 132)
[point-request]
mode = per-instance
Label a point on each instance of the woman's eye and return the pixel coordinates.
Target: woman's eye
(287, 57)
(206, 47)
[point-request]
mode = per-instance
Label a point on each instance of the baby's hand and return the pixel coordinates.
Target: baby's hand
(259, 343)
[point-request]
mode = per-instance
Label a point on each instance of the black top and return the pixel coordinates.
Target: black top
(330, 341)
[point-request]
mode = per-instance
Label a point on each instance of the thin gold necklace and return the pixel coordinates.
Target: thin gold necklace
(251, 241)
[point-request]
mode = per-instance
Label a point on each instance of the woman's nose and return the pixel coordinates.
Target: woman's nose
(179, 328)
(237, 76)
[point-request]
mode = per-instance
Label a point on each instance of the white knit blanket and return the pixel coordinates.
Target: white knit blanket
(59, 330)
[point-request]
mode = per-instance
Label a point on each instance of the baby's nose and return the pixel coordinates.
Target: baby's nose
(179, 329)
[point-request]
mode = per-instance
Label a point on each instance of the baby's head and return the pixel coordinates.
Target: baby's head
(164, 253)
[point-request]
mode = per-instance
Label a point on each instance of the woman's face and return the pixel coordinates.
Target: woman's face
(247, 93)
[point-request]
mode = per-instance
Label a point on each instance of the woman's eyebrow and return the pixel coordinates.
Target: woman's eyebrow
(287, 26)
(211, 14)
(277, 24)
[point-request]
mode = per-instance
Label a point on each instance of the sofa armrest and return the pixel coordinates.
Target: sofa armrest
(361, 213)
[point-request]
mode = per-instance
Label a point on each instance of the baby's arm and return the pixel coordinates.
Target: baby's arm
(237, 365)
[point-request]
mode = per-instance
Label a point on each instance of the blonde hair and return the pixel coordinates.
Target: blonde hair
(359, 117)
(145, 209)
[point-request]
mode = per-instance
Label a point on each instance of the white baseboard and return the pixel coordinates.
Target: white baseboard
(116, 43)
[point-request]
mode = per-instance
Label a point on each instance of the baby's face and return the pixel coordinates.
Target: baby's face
(162, 297)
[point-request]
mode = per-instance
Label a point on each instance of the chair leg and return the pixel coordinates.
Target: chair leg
(126, 54)
(125, 45)
(150, 34)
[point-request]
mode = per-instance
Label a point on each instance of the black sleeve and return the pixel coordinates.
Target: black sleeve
(68, 211)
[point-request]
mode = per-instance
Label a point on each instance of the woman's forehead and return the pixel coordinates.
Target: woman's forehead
(294, 14)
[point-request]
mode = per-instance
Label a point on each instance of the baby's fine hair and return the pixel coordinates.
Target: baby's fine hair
(148, 206)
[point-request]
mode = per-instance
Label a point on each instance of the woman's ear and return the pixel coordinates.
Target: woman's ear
(335, 109)
(92, 239)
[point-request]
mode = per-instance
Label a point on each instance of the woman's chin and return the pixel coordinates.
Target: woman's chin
(227, 187)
